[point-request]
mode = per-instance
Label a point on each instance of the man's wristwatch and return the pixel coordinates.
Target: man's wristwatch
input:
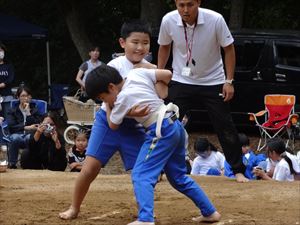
(229, 81)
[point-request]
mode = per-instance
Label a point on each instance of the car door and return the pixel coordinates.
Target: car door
(287, 68)
(251, 68)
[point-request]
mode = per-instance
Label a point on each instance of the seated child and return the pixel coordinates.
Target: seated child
(286, 166)
(76, 156)
(164, 147)
(250, 159)
(209, 160)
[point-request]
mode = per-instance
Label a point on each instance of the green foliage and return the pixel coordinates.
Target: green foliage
(274, 14)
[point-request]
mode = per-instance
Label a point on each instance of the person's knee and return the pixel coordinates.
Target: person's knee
(91, 167)
(14, 138)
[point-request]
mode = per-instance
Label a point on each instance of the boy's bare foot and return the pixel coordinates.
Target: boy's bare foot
(215, 217)
(240, 178)
(69, 214)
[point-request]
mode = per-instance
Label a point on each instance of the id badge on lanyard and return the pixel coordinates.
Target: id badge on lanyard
(186, 71)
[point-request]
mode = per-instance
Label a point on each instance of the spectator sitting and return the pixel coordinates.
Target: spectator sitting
(76, 156)
(46, 148)
(22, 121)
(286, 165)
(250, 159)
(209, 160)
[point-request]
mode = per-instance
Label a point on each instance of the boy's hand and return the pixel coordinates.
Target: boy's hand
(139, 111)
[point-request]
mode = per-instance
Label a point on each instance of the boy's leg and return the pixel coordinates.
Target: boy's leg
(132, 137)
(148, 167)
(175, 170)
(102, 144)
(89, 172)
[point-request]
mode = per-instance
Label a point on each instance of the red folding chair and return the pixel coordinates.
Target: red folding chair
(279, 120)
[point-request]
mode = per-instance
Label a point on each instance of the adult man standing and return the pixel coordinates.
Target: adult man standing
(198, 75)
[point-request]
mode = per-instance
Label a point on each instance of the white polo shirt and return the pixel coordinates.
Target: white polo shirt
(123, 65)
(210, 34)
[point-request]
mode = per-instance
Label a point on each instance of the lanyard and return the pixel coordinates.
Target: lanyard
(189, 44)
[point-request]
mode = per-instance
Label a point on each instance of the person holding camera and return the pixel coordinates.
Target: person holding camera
(46, 148)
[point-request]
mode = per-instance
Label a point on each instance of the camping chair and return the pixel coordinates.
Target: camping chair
(40, 104)
(279, 119)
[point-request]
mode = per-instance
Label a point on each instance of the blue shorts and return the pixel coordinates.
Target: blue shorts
(104, 142)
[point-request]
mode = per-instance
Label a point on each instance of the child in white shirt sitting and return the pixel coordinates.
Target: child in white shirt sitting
(209, 160)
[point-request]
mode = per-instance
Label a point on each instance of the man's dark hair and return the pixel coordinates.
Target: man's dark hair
(97, 80)
(135, 25)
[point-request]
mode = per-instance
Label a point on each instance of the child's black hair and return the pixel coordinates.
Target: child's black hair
(98, 80)
(202, 145)
(93, 48)
(277, 145)
(244, 140)
(135, 25)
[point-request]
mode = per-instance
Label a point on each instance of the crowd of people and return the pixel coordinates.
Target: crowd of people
(138, 117)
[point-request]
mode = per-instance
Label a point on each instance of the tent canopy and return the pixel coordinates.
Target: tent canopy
(11, 28)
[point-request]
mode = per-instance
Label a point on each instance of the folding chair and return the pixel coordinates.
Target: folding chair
(40, 104)
(279, 120)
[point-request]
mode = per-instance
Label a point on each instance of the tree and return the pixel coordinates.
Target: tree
(74, 20)
(236, 14)
(153, 11)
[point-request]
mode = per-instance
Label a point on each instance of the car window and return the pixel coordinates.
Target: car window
(288, 54)
(248, 53)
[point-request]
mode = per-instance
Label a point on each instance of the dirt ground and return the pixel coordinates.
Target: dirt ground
(29, 197)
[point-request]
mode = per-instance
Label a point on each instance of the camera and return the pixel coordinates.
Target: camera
(49, 128)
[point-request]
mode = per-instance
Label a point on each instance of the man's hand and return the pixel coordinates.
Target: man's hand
(228, 92)
(138, 111)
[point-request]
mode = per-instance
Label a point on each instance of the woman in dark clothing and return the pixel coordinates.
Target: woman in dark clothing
(46, 148)
(22, 120)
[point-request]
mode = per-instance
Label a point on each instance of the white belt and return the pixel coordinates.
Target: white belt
(159, 115)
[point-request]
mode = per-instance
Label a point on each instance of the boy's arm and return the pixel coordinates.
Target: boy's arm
(161, 89)
(163, 78)
(108, 112)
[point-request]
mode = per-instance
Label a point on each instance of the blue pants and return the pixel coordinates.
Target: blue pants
(17, 141)
(168, 154)
(105, 142)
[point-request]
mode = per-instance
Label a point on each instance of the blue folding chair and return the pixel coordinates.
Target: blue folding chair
(40, 104)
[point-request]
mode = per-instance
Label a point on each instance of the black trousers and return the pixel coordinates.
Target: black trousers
(47, 160)
(188, 97)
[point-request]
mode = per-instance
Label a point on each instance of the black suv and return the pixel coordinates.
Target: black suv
(267, 62)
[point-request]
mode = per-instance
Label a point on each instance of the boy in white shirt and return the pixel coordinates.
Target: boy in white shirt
(209, 160)
(164, 147)
(104, 142)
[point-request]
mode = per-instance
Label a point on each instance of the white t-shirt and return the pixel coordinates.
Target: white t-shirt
(282, 170)
(138, 89)
(202, 165)
(123, 65)
(210, 33)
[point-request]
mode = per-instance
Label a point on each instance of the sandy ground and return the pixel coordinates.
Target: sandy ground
(29, 197)
(36, 197)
